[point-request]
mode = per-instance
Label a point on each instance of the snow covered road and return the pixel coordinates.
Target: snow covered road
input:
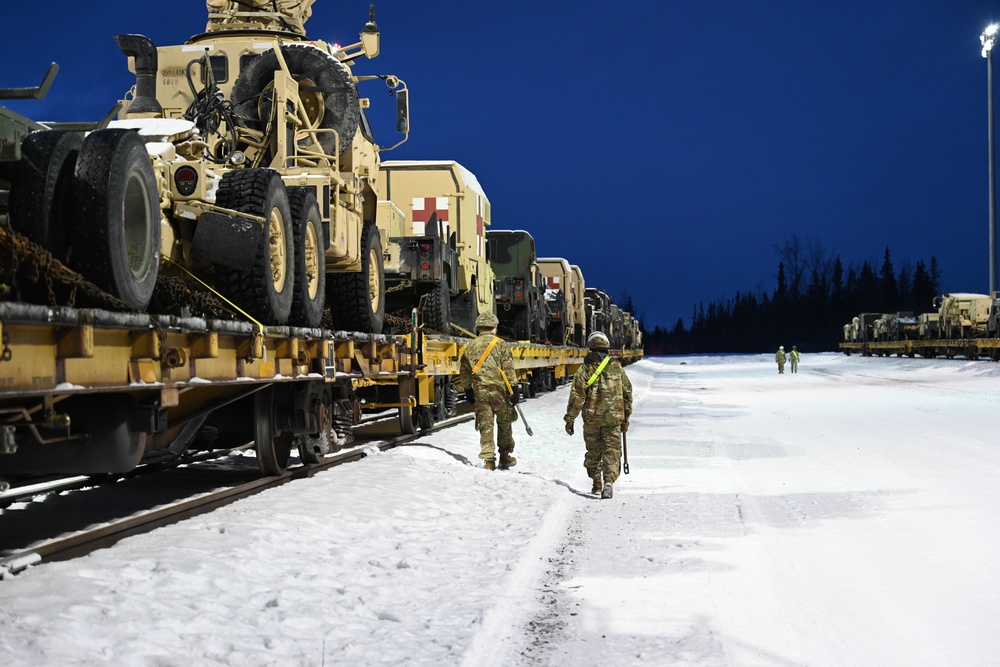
(846, 515)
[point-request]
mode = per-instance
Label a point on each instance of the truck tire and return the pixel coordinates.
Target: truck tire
(326, 88)
(524, 323)
(309, 294)
(437, 307)
(266, 290)
(41, 188)
(357, 300)
(115, 236)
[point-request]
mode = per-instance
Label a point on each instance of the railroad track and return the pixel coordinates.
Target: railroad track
(106, 535)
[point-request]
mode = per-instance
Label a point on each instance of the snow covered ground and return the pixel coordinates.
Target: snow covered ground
(846, 515)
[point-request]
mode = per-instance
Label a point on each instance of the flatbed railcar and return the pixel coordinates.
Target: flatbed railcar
(970, 348)
(95, 391)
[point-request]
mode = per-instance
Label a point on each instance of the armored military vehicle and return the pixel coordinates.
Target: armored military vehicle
(242, 159)
(519, 285)
(436, 252)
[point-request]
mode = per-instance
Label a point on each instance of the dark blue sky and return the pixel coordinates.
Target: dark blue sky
(666, 147)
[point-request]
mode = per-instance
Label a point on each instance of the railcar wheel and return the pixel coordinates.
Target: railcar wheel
(314, 446)
(309, 294)
(357, 300)
(265, 291)
(406, 425)
(109, 443)
(115, 235)
(273, 446)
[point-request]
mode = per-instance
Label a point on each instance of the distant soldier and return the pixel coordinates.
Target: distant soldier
(793, 357)
(602, 390)
(780, 358)
(485, 364)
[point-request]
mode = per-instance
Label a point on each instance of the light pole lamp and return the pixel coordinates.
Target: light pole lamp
(988, 39)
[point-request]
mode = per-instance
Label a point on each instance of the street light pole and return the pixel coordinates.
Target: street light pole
(988, 39)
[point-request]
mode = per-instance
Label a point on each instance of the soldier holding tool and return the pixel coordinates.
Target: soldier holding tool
(603, 392)
(487, 369)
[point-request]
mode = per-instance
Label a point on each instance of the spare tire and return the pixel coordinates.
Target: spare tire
(115, 236)
(325, 86)
(41, 189)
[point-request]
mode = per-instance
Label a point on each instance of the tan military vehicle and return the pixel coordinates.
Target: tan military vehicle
(963, 315)
(435, 257)
(579, 306)
(565, 298)
(244, 164)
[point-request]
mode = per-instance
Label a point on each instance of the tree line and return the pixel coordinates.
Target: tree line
(814, 297)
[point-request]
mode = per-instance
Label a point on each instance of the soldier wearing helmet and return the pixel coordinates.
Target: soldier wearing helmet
(779, 358)
(602, 391)
(487, 370)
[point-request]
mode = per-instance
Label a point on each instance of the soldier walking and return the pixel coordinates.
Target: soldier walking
(602, 390)
(487, 370)
(793, 357)
(780, 358)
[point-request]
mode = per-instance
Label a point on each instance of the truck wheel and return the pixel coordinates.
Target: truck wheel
(41, 188)
(266, 290)
(309, 295)
(273, 446)
(357, 300)
(326, 88)
(523, 323)
(115, 237)
(437, 307)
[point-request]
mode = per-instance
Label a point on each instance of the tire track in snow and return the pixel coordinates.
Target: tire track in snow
(493, 641)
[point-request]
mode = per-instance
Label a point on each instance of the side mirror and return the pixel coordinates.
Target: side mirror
(403, 111)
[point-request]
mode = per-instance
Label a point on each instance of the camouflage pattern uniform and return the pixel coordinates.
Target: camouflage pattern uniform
(490, 391)
(793, 357)
(607, 406)
(779, 357)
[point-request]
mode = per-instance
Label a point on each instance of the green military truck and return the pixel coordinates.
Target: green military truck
(519, 285)
(435, 257)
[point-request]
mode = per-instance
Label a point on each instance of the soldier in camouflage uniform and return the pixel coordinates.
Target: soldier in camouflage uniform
(484, 364)
(604, 394)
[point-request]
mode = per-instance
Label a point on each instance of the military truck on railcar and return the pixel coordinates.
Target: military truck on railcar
(518, 285)
(436, 250)
(565, 298)
(598, 310)
(963, 315)
(242, 159)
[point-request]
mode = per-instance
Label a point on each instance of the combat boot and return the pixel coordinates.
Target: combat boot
(598, 487)
(608, 491)
(507, 461)
(490, 464)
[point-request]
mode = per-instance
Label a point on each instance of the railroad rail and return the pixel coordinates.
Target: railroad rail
(88, 541)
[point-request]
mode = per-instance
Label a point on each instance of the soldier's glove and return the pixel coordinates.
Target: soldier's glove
(470, 395)
(569, 427)
(624, 427)
(515, 396)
